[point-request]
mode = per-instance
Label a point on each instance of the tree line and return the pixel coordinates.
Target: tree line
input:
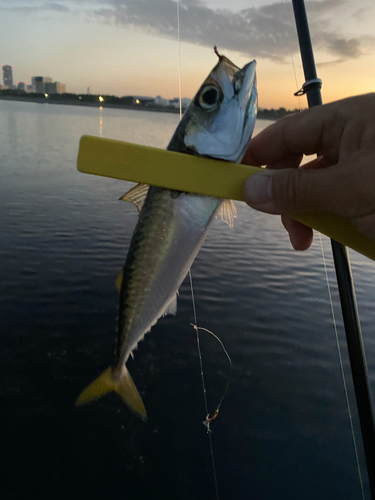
(128, 101)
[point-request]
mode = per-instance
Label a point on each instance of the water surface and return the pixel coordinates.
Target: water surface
(283, 431)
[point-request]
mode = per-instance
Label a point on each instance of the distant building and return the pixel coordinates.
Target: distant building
(7, 76)
(60, 88)
(39, 83)
(54, 88)
(21, 86)
(160, 101)
(50, 88)
(29, 88)
(176, 102)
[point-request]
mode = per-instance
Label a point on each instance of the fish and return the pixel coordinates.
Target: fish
(173, 225)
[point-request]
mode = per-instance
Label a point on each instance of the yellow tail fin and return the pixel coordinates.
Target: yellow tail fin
(125, 387)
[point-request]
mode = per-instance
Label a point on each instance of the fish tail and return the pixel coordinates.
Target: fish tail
(124, 386)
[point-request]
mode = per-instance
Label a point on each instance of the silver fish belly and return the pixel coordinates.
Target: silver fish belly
(171, 229)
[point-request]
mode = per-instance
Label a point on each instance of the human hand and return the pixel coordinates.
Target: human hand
(341, 180)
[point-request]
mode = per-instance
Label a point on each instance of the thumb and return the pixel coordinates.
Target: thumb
(296, 191)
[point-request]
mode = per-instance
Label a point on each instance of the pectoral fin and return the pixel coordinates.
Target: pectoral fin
(228, 212)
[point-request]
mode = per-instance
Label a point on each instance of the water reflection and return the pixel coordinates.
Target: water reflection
(100, 121)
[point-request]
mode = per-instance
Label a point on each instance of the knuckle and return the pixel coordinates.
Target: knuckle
(293, 192)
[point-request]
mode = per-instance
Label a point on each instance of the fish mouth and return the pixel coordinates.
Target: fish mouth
(248, 99)
(244, 83)
(248, 79)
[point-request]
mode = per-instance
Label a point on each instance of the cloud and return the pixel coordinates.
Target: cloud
(321, 6)
(267, 31)
(32, 6)
(334, 62)
(58, 7)
(254, 31)
(350, 48)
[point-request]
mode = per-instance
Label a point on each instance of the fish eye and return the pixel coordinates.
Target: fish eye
(209, 97)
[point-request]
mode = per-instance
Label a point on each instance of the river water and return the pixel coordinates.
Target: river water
(283, 431)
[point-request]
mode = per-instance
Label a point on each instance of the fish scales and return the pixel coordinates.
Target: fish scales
(170, 231)
(173, 225)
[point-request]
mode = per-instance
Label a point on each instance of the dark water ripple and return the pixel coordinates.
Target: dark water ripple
(283, 430)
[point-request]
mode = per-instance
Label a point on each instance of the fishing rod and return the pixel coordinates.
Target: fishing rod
(349, 309)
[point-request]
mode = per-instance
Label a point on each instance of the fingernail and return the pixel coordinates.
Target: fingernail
(258, 189)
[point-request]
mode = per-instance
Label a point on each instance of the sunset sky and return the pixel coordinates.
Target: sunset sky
(126, 47)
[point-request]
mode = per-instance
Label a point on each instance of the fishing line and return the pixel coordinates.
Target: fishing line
(198, 341)
(230, 364)
(294, 69)
(195, 326)
(336, 330)
(204, 31)
(342, 368)
(179, 57)
(295, 79)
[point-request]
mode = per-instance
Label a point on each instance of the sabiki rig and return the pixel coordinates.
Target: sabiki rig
(173, 225)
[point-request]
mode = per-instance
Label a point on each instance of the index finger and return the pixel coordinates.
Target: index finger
(304, 133)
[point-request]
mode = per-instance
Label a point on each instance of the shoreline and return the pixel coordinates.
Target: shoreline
(71, 102)
(265, 114)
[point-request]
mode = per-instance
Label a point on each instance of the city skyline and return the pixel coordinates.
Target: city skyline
(129, 47)
(39, 84)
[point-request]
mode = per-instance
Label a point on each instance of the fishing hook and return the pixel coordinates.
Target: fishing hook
(209, 419)
(217, 53)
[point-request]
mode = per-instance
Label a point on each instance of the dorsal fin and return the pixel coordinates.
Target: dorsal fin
(136, 195)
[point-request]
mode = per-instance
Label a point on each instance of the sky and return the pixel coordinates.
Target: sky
(130, 47)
